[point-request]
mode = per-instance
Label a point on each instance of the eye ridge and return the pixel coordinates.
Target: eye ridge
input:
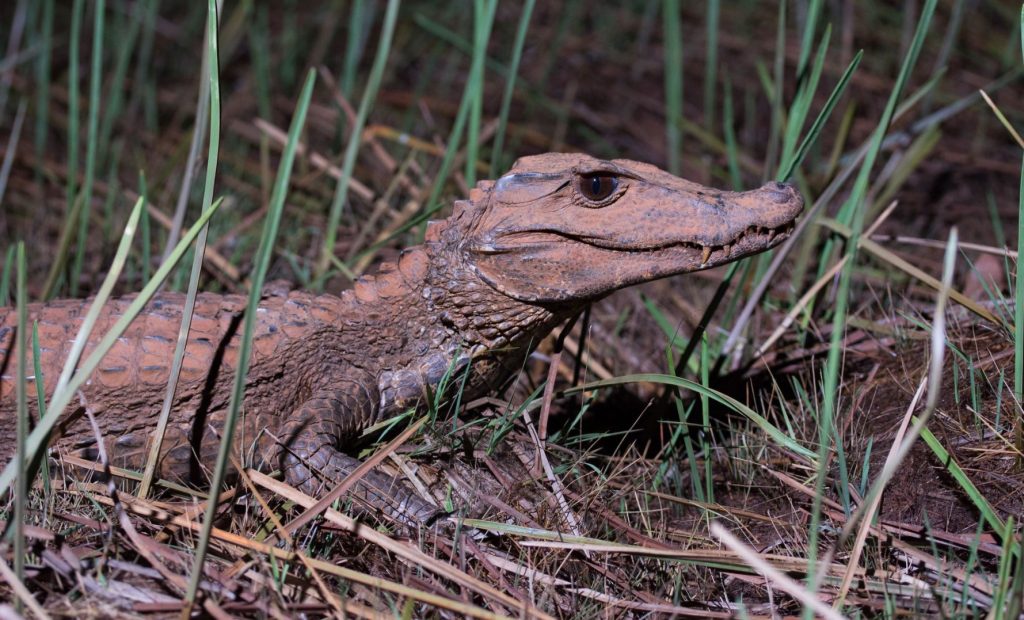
(599, 186)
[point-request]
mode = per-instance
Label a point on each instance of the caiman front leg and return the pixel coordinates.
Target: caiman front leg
(307, 452)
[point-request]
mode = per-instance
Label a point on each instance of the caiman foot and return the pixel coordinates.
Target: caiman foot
(308, 454)
(308, 457)
(326, 468)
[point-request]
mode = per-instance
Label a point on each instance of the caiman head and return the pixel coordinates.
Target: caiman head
(568, 227)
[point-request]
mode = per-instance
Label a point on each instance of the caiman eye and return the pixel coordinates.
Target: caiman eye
(598, 187)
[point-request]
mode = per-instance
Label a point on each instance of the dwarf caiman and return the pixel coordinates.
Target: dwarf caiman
(523, 254)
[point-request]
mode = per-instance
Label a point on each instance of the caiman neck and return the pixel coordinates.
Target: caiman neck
(476, 314)
(440, 317)
(437, 300)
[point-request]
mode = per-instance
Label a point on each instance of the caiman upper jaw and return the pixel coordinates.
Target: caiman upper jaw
(754, 239)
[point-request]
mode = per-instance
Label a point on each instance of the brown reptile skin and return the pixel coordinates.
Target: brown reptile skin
(524, 253)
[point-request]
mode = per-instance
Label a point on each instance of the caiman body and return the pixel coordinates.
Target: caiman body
(521, 255)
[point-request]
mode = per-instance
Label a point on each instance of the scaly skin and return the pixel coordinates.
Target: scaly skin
(524, 253)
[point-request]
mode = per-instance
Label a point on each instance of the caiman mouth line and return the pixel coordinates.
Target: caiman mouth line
(771, 234)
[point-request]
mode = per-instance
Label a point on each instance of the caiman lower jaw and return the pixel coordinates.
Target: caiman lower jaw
(753, 239)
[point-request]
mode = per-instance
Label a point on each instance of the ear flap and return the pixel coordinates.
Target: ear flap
(524, 187)
(543, 274)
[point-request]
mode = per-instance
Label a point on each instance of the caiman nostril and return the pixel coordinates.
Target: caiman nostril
(779, 192)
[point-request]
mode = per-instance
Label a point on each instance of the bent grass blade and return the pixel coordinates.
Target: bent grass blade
(62, 398)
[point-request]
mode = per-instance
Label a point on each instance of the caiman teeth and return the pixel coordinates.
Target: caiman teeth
(726, 250)
(707, 255)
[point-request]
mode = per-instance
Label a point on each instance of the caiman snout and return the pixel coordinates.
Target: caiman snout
(774, 204)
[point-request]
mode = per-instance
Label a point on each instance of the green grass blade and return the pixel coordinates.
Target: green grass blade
(1018, 293)
(1016, 594)
(819, 122)
(82, 337)
(185, 191)
(354, 46)
(709, 313)
(42, 77)
(668, 327)
(22, 423)
(775, 92)
(802, 103)
(1002, 119)
(21, 21)
(5, 277)
(711, 63)
(61, 398)
(854, 208)
(213, 73)
(261, 264)
(510, 87)
(114, 103)
(74, 113)
(463, 45)
(705, 412)
(729, 133)
(807, 42)
(40, 382)
(483, 18)
(1017, 591)
(64, 242)
(143, 78)
(988, 513)
(354, 140)
(146, 242)
(673, 83)
(455, 136)
(809, 139)
(1003, 572)
(12, 148)
(868, 508)
(92, 142)
(259, 48)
